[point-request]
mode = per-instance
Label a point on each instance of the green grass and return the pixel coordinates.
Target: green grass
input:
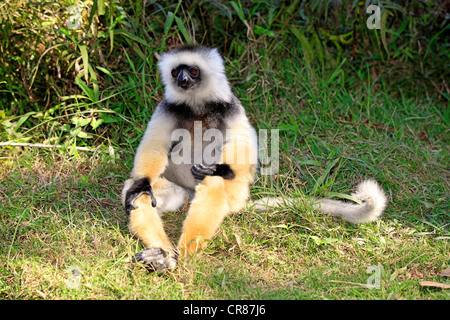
(60, 211)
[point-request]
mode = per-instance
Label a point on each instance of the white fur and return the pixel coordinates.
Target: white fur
(214, 84)
(373, 197)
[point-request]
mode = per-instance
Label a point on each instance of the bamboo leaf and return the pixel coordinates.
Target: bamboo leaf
(238, 9)
(23, 119)
(88, 91)
(92, 13)
(170, 18)
(101, 7)
(131, 36)
(85, 57)
(168, 22)
(105, 71)
(94, 83)
(183, 30)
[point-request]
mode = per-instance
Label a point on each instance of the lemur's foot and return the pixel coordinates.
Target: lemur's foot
(157, 259)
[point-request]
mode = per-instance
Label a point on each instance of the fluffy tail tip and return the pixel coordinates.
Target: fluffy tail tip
(370, 192)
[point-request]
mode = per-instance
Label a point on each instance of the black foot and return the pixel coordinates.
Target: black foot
(140, 187)
(157, 259)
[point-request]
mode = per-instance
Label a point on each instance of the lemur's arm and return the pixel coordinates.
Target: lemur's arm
(151, 159)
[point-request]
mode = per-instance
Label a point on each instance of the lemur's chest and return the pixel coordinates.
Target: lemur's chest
(196, 140)
(199, 137)
(202, 121)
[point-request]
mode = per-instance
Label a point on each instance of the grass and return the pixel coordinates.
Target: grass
(61, 211)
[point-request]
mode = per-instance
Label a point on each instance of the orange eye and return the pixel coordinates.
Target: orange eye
(174, 73)
(194, 71)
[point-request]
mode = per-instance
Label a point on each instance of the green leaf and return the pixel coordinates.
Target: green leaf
(320, 241)
(321, 180)
(88, 91)
(170, 18)
(95, 123)
(85, 58)
(22, 119)
(108, 119)
(238, 9)
(306, 47)
(84, 135)
(130, 36)
(74, 152)
(79, 121)
(183, 30)
(65, 128)
(260, 31)
(130, 62)
(75, 131)
(310, 162)
(105, 71)
(101, 7)
(168, 22)
(94, 83)
(384, 29)
(337, 71)
(342, 196)
(93, 10)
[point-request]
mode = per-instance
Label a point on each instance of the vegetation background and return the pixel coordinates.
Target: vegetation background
(78, 82)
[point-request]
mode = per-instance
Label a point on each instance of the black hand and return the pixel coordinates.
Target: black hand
(200, 171)
(140, 187)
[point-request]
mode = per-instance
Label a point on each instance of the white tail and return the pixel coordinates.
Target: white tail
(373, 199)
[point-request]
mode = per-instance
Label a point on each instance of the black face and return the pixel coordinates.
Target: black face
(186, 76)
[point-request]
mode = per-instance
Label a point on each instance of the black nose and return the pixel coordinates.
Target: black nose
(182, 78)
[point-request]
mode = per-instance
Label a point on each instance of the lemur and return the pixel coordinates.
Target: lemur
(198, 99)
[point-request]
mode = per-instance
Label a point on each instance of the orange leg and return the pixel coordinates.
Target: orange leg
(145, 223)
(211, 204)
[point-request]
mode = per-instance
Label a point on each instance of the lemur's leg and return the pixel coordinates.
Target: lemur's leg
(214, 199)
(208, 208)
(224, 190)
(146, 224)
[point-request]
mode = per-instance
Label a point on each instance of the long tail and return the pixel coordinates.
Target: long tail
(373, 199)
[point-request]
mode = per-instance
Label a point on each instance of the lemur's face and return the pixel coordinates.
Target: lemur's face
(193, 75)
(186, 77)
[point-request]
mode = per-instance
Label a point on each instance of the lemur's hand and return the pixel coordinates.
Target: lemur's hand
(140, 187)
(200, 171)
